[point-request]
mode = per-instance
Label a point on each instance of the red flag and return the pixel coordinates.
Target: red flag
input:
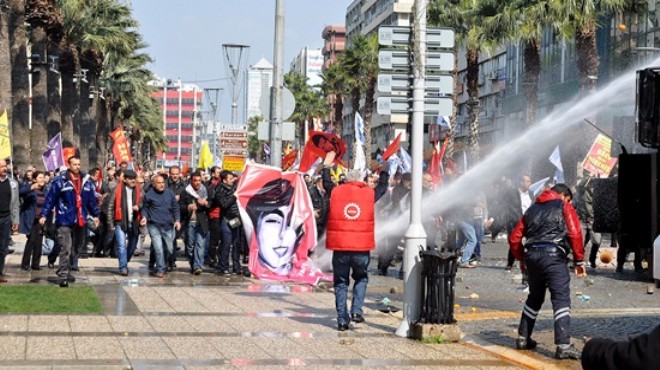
(120, 148)
(393, 148)
(434, 169)
(320, 144)
(289, 160)
(68, 152)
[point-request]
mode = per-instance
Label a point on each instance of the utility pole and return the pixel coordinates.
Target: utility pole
(415, 237)
(277, 88)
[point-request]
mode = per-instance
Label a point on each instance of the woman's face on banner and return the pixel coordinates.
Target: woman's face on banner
(277, 240)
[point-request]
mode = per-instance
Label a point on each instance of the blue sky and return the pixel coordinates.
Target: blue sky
(185, 37)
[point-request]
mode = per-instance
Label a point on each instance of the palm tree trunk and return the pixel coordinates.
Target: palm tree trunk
(68, 64)
(54, 97)
(449, 151)
(19, 111)
(39, 132)
(5, 70)
(103, 133)
(473, 107)
(588, 61)
(339, 114)
(531, 76)
(87, 125)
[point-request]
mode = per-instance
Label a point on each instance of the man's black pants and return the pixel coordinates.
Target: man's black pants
(546, 268)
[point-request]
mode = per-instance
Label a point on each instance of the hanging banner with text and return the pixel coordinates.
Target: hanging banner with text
(120, 148)
(599, 160)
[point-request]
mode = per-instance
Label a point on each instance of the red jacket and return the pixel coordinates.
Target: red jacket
(540, 224)
(351, 218)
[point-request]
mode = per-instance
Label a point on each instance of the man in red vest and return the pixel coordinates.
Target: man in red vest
(350, 235)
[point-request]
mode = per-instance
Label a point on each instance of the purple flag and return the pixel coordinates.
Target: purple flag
(52, 157)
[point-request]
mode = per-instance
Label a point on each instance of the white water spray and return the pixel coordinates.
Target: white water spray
(545, 133)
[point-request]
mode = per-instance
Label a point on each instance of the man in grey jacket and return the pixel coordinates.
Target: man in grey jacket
(9, 214)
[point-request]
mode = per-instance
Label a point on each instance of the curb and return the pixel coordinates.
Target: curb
(509, 354)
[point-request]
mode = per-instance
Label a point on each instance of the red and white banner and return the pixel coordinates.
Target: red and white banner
(599, 161)
(120, 148)
(278, 218)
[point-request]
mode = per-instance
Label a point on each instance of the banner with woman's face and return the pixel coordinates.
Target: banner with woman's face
(278, 218)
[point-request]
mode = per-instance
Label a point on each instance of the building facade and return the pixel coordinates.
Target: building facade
(181, 105)
(309, 63)
(259, 80)
(364, 17)
(334, 43)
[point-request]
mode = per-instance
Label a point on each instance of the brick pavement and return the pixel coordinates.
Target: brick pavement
(209, 321)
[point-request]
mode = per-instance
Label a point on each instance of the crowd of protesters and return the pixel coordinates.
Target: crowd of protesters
(108, 212)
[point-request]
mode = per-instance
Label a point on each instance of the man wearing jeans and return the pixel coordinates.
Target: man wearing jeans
(124, 218)
(74, 200)
(9, 214)
(229, 224)
(160, 213)
(194, 205)
(350, 235)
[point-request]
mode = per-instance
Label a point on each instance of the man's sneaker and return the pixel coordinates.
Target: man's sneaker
(64, 284)
(342, 327)
(466, 265)
(570, 352)
(525, 343)
(159, 275)
(357, 318)
(197, 271)
(71, 279)
(123, 272)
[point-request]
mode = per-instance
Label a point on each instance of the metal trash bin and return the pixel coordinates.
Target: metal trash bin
(438, 282)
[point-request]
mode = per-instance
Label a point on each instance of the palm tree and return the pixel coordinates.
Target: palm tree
(39, 17)
(92, 29)
(18, 112)
(334, 88)
(466, 18)
(309, 102)
(359, 64)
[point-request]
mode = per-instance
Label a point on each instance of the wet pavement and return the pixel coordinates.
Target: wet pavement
(208, 322)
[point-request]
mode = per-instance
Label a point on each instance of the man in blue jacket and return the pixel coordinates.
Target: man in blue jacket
(73, 200)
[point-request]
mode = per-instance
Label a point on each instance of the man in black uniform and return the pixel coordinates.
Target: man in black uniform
(551, 227)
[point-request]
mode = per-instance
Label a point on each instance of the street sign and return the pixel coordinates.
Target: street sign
(233, 134)
(400, 82)
(400, 36)
(235, 152)
(440, 61)
(386, 105)
(394, 59)
(233, 143)
(288, 104)
(233, 163)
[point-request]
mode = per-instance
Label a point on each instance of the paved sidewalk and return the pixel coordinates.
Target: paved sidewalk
(213, 322)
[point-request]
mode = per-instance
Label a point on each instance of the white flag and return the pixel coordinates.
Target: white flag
(406, 161)
(555, 159)
(537, 186)
(360, 162)
(394, 163)
(359, 129)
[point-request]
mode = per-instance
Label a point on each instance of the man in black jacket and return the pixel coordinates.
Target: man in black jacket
(320, 201)
(229, 224)
(639, 353)
(194, 206)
